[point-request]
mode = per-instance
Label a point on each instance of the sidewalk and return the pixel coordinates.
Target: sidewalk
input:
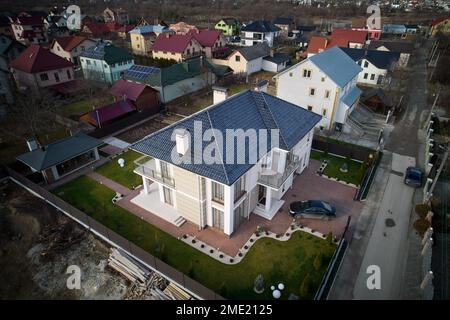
(109, 183)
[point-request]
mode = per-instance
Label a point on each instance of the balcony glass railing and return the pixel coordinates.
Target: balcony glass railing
(146, 167)
(276, 180)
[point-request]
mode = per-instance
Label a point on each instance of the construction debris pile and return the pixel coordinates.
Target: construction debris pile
(146, 284)
(59, 237)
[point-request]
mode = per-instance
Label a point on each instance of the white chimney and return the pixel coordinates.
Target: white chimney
(219, 94)
(262, 85)
(32, 144)
(182, 138)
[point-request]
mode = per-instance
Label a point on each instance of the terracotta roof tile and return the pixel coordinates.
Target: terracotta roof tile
(37, 59)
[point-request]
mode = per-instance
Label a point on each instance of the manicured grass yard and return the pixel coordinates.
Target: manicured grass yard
(355, 169)
(125, 176)
(289, 262)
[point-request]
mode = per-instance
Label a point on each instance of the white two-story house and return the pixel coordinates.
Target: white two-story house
(325, 83)
(376, 65)
(259, 31)
(240, 157)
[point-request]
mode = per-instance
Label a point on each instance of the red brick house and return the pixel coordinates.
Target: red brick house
(36, 68)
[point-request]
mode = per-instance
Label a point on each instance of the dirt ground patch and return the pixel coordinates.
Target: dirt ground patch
(148, 127)
(38, 243)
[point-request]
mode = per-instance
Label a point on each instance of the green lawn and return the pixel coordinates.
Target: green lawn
(355, 169)
(289, 262)
(75, 109)
(125, 176)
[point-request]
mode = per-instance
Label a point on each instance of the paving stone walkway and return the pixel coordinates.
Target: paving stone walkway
(109, 183)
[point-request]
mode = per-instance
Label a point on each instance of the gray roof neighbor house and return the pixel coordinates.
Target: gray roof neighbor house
(256, 51)
(59, 152)
(246, 110)
(337, 65)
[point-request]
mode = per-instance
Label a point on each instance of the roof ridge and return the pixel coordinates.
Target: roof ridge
(262, 94)
(220, 155)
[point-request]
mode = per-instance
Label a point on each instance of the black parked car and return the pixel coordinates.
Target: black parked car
(314, 209)
(414, 177)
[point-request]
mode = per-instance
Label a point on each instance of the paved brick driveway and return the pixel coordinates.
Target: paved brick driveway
(309, 186)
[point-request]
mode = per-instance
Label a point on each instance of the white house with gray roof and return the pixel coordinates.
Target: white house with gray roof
(325, 84)
(252, 179)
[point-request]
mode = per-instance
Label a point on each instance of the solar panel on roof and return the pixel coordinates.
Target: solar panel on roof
(141, 72)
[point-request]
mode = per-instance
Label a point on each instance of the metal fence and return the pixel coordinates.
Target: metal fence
(190, 285)
(333, 267)
(343, 150)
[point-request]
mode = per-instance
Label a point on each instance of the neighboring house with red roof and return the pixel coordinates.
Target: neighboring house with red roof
(210, 40)
(353, 38)
(122, 32)
(180, 47)
(316, 44)
(141, 95)
(29, 29)
(142, 37)
(440, 24)
(96, 29)
(182, 28)
(36, 67)
(107, 114)
(71, 47)
(176, 47)
(360, 24)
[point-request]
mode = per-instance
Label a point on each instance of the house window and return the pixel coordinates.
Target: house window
(312, 91)
(217, 191)
(88, 62)
(167, 196)
(56, 77)
(44, 77)
(238, 58)
(366, 75)
(306, 73)
(324, 112)
(322, 79)
(240, 214)
(68, 74)
(372, 76)
(239, 188)
(290, 74)
(327, 94)
(366, 64)
(218, 220)
(164, 170)
(310, 108)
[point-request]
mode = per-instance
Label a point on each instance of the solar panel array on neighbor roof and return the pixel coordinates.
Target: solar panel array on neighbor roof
(140, 72)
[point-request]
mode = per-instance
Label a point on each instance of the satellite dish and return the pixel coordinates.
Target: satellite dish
(121, 162)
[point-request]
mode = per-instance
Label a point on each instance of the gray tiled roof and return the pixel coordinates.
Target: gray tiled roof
(256, 51)
(380, 59)
(336, 64)
(246, 110)
(58, 152)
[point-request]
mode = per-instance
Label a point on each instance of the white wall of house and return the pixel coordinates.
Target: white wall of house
(294, 88)
(371, 75)
(99, 70)
(186, 86)
(273, 67)
(251, 38)
(317, 93)
(73, 55)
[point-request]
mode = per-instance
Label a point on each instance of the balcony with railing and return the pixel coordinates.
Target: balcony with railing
(146, 166)
(274, 179)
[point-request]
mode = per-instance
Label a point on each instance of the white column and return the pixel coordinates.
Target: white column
(145, 183)
(228, 211)
(268, 199)
(281, 162)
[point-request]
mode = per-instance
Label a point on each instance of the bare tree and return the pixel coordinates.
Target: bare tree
(30, 115)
